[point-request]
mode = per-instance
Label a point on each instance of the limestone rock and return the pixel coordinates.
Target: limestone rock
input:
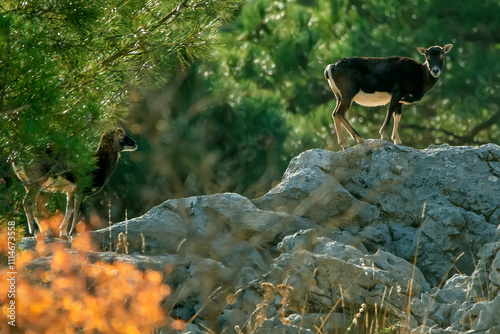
(211, 224)
(335, 272)
(275, 326)
(325, 323)
(381, 184)
(488, 317)
(341, 230)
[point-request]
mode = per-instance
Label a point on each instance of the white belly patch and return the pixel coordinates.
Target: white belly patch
(372, 99)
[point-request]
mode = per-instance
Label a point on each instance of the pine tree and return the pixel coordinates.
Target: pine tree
(67, 68)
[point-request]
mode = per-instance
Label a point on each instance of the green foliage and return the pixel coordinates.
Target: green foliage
(233, 121)
(66, 64)
(287, 44)
(66, 67)
(267, 80)
(221, 136)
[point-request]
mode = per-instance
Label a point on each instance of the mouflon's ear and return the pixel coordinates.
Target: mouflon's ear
(447, 48)
(421, 50)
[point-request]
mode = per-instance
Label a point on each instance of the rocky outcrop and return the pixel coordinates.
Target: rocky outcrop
(376, 193)
(333, 245)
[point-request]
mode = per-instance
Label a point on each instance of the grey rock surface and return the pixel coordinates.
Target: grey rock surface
(378, 185)
(336, 238)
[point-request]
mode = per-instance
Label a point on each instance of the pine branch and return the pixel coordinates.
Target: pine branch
(495, 119)
(457, 139)
(125, 51)
(172, 14)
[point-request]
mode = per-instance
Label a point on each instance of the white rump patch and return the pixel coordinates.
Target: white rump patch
(372, 99)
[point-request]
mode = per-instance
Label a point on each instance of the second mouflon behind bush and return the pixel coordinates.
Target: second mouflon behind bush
(37, 176)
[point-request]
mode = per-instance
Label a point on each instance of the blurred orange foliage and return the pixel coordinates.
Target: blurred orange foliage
(64, 292)
(51, 224)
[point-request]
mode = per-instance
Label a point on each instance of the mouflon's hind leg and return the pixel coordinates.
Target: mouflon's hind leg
(77, 202)
(338, 127)
(29, 204)
(339, 119)
(70, 206)
(383, 129)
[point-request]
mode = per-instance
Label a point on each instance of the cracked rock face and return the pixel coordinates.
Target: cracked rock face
(341, 229)
(379, 185)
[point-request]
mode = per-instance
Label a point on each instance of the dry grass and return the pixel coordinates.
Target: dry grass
(365, 319)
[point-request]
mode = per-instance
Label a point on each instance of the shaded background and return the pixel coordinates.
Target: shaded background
(233, 121)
